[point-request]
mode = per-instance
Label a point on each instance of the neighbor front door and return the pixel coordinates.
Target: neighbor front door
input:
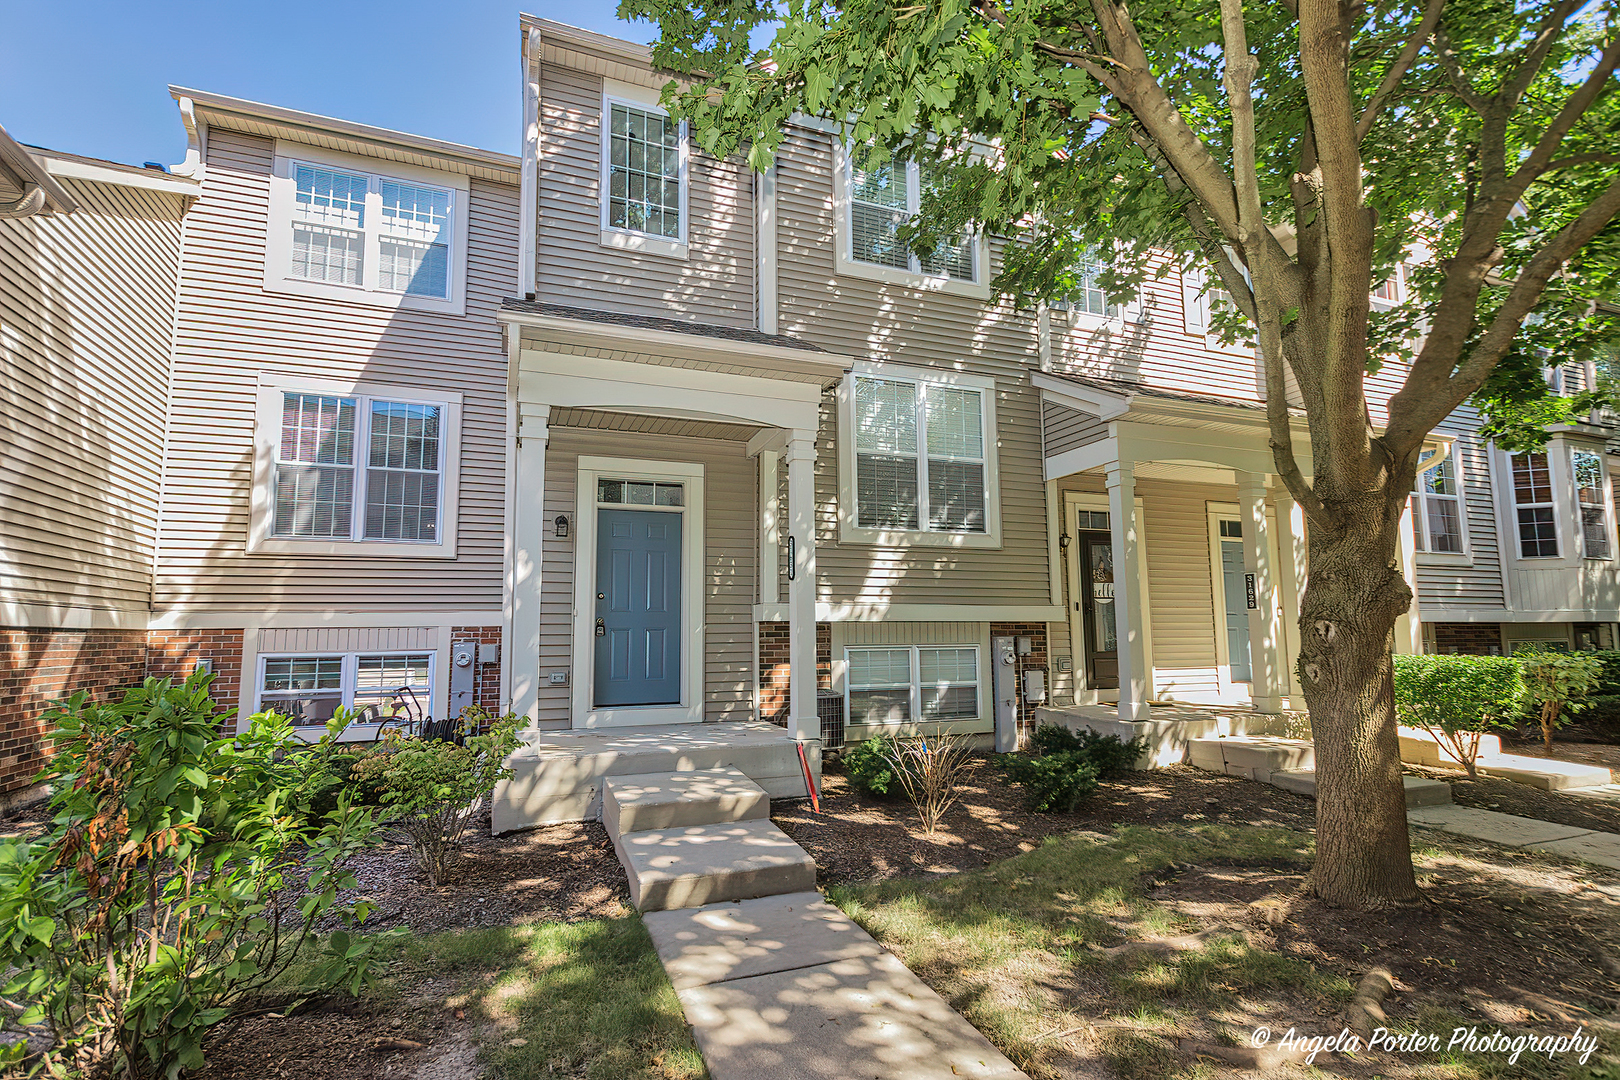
(638, 608)
(1097, 585)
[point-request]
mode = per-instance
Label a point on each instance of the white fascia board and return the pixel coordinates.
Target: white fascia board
(144, 179)
(1102, 404)
(671, 342)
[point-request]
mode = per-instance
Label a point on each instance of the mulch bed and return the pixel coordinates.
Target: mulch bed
(860, 837)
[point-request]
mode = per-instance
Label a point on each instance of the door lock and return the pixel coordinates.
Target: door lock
(601, 596)
(601, 629)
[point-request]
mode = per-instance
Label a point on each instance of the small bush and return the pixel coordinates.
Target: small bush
(1111, 754)
(1556, 684)
(1052, 783)
(1608, 681)
(1603, 713)
(1457, 698)
(927, 770)
(870, 768)
(433, 788)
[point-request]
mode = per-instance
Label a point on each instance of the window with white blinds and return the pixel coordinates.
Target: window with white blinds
(898, 683)
(881, 199)
(355, 467)
(920, 455)
(1437, 512)
(354, 233)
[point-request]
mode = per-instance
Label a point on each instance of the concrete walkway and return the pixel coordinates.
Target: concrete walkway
(1532, 834)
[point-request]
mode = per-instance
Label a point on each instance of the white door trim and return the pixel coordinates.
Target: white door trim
(690, 710)
(1237, 692)
(1072, 502)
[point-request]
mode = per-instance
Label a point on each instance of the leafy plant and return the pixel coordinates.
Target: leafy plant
(1052, 783)
(869, 766)
(177, 877)
(1457, 698)
(1556, 683)
(927, 770)
(1111, 754)
(434, 788)
(1603, 712)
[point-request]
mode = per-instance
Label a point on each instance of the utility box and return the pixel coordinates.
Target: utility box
(1035, 686)
(1004, 688)
(463, 675)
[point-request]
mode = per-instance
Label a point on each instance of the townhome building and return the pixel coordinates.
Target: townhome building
(619, 435)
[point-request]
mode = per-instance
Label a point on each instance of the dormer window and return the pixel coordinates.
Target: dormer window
(346, 228)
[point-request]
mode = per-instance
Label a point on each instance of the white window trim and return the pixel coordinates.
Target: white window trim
(1566, 519)
(1196, 311)
(266, 441)
(583, 711)
(1131, 311)
(1579, 533)
(849, 531)
(917, 717)
(640, 97)
(1420, 511)
(351, 667)
(278, 243)
(846, 264)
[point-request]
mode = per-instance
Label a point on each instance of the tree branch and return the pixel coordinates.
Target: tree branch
(1456, 75)
(1574, 108)
(1552, 28)
(1397, 72)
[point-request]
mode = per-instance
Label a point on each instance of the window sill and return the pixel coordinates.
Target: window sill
(1444, 558)
(854, 534)
(367, 549)
(354, 294)
(925, 282)
(625, 240)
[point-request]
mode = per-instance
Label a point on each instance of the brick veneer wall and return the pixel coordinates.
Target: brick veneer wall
(38, 666)
(1037, 659)
(1474, 638)
(487, 682)
(775, 677)
(175, 654)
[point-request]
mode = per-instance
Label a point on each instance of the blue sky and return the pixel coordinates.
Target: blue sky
(92, 78)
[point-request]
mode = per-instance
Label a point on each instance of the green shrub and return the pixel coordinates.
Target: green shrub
(870, 766)
(1556, 684)
(1603, 713)
(1608, 682)
(433, 788)
(177, 877)
(1052, 783)
(1111, 754)
(1457, 698)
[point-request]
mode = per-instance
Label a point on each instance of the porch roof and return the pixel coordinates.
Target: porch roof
(1124, 390)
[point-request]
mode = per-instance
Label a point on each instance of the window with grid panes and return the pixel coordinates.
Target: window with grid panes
(1533, 504)
(1437, 524)
(882, 198)
(310, 689)
(919, 456)
(334, 211)
(318, 483)
(644, 171)
(1088, 296)
(1590, 502)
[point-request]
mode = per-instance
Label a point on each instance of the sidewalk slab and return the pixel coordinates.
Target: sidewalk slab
(1594, 847)
(864, 1018)
(728, 941)
(1545, 773)
(1506, 829)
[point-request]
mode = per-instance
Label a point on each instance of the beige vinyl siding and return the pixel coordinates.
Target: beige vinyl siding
(86, 323)
(1069, 429)
(715, 284)
(730, 563)
(231, 329)
(863, 318)
(348, 639)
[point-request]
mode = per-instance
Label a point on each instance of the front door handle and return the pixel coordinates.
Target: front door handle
(601, 629)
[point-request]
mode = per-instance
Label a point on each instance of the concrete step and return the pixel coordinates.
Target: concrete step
(1255, 757)
(1418, 747)
(1419, 790)
(705, 864)
(1543, 773)
(642, 801)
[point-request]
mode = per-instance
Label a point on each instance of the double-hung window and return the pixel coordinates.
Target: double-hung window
(1088, 297)
(901, 683)
(1437, 516)
(1533, 505)
(1591, 503)
(364, 469)
(644, 173)
(340, 228)
(310, 689)
(879, 200)
(920, 452)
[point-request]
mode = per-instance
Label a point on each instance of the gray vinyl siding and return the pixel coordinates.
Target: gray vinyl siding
(86, 322)
(863, 318)
(1070, 429)
(715, 284)
(231, 329)
(730, 562)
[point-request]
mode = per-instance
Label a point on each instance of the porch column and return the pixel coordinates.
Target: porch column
(1409, 626)
(1134, 678)
(1266, 647)
(1291, 583)
(801, 532)
(528, 538)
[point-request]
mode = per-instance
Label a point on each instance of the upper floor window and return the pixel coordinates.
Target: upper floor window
(644, 173)
(1437, 511)
(340, 229)
(1533, 502)
(1591, 502)
(358, 469)
(920, 456)
(876, 201)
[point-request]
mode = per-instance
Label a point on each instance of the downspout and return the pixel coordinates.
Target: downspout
(31, 202)
(529, 180)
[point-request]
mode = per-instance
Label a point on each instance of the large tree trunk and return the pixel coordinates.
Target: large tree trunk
(1353, 597)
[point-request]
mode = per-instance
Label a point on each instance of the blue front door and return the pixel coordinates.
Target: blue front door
(1236, 587)
(638, 607)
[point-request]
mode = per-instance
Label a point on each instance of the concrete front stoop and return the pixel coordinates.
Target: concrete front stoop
(775, 981)
(1290, 764)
